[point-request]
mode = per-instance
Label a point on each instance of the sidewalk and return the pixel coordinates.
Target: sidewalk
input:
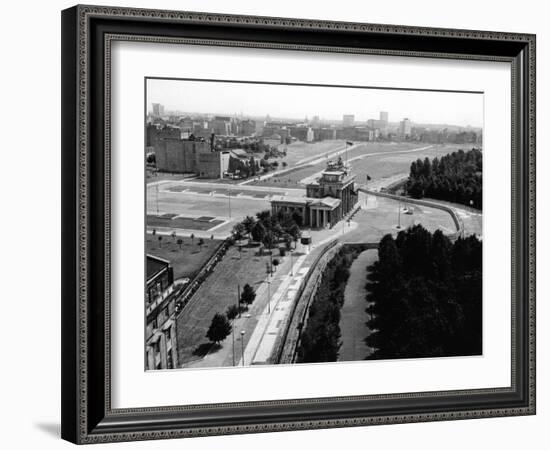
(260, 346)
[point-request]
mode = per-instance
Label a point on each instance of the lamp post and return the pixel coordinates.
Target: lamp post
(229, 200)
(233, 337)
(398, 215)
(291, 267)
(242, 345)
(157, 197)
(268, 297)
(239, 299)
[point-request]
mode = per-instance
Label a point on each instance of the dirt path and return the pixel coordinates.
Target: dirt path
(353, 315)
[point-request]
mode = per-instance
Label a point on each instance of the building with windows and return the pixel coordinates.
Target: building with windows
(328, 199)
(221, 125)
(158, 110)
(247, 127)
(190, 155)
(160, 312)
(405, 128)
(348, 120)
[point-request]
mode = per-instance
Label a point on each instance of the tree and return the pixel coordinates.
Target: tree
(258, 231)
(192, 238)
(200, 243)
(238, 231)
(424, 295)
(173, 234)
(248, 295)
(269, 239)
(252, 166)
(275, 263)
(232, 311)
(160, 241)
(456, 177)
(295, 232)
(320, 340)
(248, 224)
(219, 328)
(298, 219)
(180, 242)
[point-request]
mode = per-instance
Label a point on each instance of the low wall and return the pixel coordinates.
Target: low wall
(285, 348)
(205, 271)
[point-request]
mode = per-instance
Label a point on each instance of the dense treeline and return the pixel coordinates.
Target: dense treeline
(426, 294)
(320, 339)
(456, 177)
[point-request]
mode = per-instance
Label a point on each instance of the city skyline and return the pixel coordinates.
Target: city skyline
(328, 103)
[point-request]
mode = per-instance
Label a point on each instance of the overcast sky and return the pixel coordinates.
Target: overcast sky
(328, 103)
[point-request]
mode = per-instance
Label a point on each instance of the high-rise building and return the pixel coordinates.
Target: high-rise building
(384, 116)
(405, 128)
(348, 120)
(158, 110)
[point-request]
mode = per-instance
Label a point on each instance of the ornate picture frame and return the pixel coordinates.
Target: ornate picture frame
(88, 33)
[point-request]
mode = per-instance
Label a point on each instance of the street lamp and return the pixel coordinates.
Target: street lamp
(398, 215)
(242, 345)
(291, 267)
(233, 336)
(268, 297)
(239, 299)
(229, 200)
(157, 197)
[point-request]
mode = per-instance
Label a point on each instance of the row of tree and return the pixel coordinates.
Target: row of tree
(270, 229)
(425, 296)
(456, 177)
(320, 339)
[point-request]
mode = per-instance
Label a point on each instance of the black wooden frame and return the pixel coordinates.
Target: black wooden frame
(87, 415)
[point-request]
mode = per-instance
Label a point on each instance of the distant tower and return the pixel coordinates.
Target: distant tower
(384, 117)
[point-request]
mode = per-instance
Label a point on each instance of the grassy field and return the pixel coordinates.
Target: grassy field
(377, 150)
(187, 223)
(214, 296)
(382, 166)
(186, 261)
(299, 152)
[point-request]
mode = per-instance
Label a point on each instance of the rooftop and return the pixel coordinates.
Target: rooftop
(155, 265)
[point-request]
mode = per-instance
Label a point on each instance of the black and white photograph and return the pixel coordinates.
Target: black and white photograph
(314, 218)
(301, 223)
